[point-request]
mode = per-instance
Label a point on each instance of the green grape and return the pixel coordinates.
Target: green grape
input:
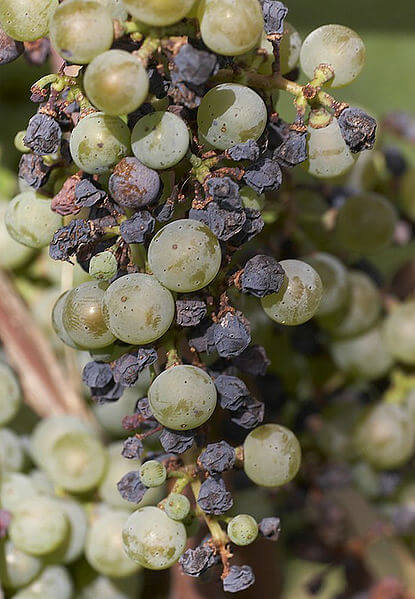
(15, 488)
(42, 483)
(116, 8)
(177, 506)
(83, 319)
(137, 309)
(386, 438)
(116, 82)
(153, 473)
(300, 576)
(399, 332)
(73, 547)
(17, 569)
(337, 46)
(290, 48)
(407, 195)
(10, 395)
(12, 253)
(111, 588)
(328, 154)
(81, 30)
(103, 266)
(363, 309)
(160, 140)
(53, 583)
(110, 414)
(185, 255)
(366, 480)
(335, 432)
(242, 530)
(230, 114)
(300, 296)
(57, 321)
(365, 223)
(103, 547)
(364, 357)
(251, 199)
(230, 28)
(272, 455)
(26, 20)
(39, 525)
(158, 12)
(152, 539)
(335, 280)
(30, 220)
(12, 457)
(182, 397)
(19, 143)
(99, 141)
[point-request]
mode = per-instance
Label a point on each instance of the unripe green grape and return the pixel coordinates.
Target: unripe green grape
(328, 154)
(42, 483)
(153, 473)
(229, 27)
(158, 12)
(230, 114)
(17, 569)
(386, 437)
(335, 280)
(152, 539)
(290, 48)
(73, 547)
(83, 319)
(399, 332)
(104, 548)
(177, 506)
(299, 575)
(10, 394)
(57, 321)
(99, 141)
(12, 253)
(137, 309)
(111, 588)
(26, 20)
(407, 193)
(272, 455)
(185, 255)
(19, 143)
(30, 221)
(242, 530)
(182, 397)
(54, 582)
(12, 457)
(103, 266)
(116, 8)
(336, 46)
(39, 525)
(364, 357)
(15, 487)
(116, 82)
(365, 223)
(81, 29)
(160, 140)
(110, 414)
(300, 296)
(251, 199)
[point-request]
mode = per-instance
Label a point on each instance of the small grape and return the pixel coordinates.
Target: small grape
(328, 154)
(12, 253)
(26, 20)
(81, 30)
(337, 46)
(153, 473)
(116, 82)
(12, 457)
(57, 321)
(399, 332)
(160, 140)
(53, 582)
(230, 28)
(185, 255)
(335, 280)
(99, 141)
(111, 588)
(242, 530)
(290, 48)
(152, 539)
(30, 220)
(177, 506)
(15, 488)
(137, 309)
(19, 143)
(10, 395)
(83, 319)
(272, 455)
(230, 114)
(158, 12)
(103, 266)
(17, 569)
(299, 298)
(182, 397)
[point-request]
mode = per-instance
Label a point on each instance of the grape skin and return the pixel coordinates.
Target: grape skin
(153, 473)
(17, 569)
(52, 583)
(185, 255)
(328, 154)
(10, 396)
(30, 220)
(242, 530)
(158, 12)
(26, 20)
(290, 48)
(12, 254)
(116, 8)
(177, 506)
(57, 321)
(335, 280)
(399, 332)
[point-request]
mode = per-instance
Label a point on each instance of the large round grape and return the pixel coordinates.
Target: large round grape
(158, 12)
(328, 154)
(230, 114)
(300, 296)
(30, 220)
(12, 253)
(230, 27)
(81, 29)
(57, 321)
(98, 142)
(10, 395)
(17, 568)
(337, 46)
(160, 140)
(152, 539)
(83, 318)
(137, 309)
(182, 397)
(15, 488)
(365, 223)
(335, 280)
(73, 548)
(399, 332)
(26, 20)
(386, 438)
(116, 82)
(185, 255)
(272, 455)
